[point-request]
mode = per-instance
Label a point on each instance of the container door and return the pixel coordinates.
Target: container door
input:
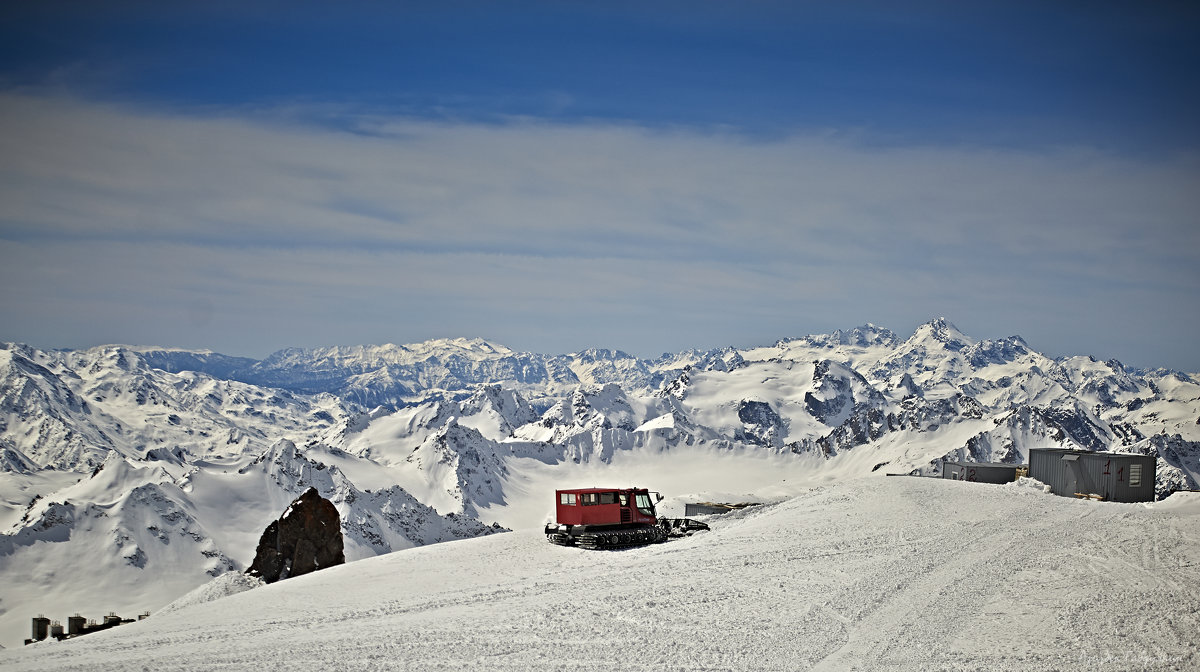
(1071, 475)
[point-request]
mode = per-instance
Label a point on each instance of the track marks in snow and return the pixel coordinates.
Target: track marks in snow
(987, 594)
(904, 617)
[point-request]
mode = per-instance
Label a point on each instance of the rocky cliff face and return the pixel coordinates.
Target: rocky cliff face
(307, 537)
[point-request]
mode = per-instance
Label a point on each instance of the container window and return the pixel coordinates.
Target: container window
(567, 498)
(1135, 475)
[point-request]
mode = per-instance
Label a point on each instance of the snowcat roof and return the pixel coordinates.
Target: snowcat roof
(590, 490)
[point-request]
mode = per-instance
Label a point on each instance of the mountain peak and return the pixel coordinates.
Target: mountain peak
(943, 331)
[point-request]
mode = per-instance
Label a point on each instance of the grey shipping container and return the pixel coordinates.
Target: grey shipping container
(1114, 477)
(979, 472)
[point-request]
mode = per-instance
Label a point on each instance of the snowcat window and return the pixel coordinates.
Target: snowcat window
(643, 504)
(590, 499)
(624, 499)
(567, 498)
(608, 498)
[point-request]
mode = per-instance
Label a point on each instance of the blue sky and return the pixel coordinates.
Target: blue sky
(643, 176)
(1113, 74)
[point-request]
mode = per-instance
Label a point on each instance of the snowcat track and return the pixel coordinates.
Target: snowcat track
(560, 539)
(614, 539)
(667, 528)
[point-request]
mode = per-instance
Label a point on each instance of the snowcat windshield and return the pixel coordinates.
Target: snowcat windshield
(643, 504)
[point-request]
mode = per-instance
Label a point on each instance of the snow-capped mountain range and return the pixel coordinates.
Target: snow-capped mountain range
(131, 475)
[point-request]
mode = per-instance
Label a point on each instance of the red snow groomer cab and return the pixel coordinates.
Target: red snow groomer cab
(613, 518)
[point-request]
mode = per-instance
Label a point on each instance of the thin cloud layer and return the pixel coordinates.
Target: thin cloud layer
(245, 233)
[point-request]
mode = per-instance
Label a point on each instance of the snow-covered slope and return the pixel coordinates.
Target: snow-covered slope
(441, 440)
(118, 539)
(877, 573)
(135, 534)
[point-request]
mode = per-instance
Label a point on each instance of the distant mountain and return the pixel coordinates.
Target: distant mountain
(68, 410)
(154, 458)
(399, 375)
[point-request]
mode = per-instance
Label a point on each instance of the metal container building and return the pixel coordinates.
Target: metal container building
(41, 628)
(1113, 477)
(979, 472)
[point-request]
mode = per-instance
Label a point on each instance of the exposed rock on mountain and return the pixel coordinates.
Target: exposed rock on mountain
(43, 417)
(307, 537)
(838, 392)
(391, 519)
(496, 410)
(373, 522)
(13, 460)
(1176, 464)
(1002, 351)
(467, 466)
(761, 424)
(909, 388)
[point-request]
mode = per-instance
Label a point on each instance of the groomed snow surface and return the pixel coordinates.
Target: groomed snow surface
(871, 574)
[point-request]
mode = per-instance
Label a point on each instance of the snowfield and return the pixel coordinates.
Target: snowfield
(872, 573)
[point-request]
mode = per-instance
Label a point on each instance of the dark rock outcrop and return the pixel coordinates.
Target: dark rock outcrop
(307, 537)
(760, 424)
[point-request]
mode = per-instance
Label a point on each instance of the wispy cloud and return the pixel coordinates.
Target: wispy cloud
(247, 233)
